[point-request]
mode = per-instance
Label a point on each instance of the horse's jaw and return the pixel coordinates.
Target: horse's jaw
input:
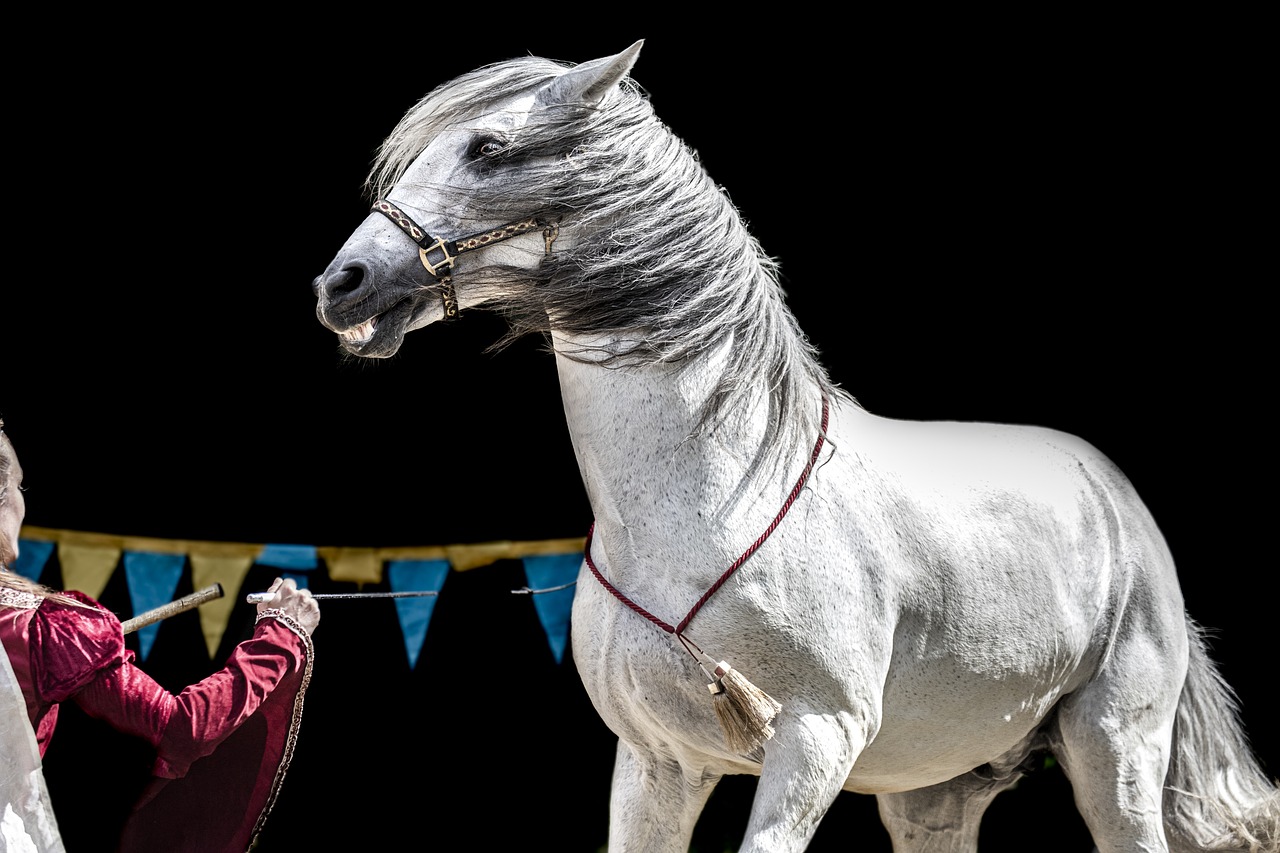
(381, 335)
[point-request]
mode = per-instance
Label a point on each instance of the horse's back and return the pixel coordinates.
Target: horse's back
(1033, 499)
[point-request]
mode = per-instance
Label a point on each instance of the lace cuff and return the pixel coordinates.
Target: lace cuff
(287, 620)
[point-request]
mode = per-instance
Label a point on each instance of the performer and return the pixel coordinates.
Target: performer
(222, 745)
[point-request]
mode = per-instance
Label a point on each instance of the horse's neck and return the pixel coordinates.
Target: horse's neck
(642, 459)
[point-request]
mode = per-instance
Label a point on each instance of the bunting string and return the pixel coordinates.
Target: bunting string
(154, 568)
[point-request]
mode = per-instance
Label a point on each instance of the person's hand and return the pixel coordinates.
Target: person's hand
(299, 604)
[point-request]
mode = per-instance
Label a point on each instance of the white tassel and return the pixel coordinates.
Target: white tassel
(745, 711)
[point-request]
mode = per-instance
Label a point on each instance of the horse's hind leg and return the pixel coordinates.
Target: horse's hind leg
(1113, 739)
(654, 803)
(943, 818)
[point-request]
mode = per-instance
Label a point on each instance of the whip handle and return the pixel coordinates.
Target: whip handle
(173, 608)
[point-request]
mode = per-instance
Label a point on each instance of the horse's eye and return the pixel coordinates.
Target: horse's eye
(487, 147)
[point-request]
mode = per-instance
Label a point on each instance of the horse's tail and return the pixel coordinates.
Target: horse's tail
(1217, 797)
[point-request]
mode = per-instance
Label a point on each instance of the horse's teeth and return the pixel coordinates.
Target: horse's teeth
(361, 333)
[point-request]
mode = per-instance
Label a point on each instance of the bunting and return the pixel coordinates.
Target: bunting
(415, 613)
(296, 558)
(86, 567)
(153, 581)
(155, 568)
(556, 574)
(227, 570)
(32, 556)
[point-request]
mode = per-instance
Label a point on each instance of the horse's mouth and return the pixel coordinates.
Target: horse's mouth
(359, 335)
(381, 335)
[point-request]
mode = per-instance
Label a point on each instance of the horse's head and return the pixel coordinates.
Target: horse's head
(469, 176)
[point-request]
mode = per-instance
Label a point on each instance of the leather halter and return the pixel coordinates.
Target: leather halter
(437, 254)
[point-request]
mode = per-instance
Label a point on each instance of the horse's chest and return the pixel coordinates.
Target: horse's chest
(643, 683)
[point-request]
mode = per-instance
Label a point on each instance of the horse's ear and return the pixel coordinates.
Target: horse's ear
(590, 81)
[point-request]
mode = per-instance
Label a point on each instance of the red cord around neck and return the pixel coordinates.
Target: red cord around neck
(678, 630)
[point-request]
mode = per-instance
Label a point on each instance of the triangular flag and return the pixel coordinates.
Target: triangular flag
(153, 579)
(295, 560)
(415, 613)
(32, 555)
(298, 558)
(229, 571)
(547, 572)
(87, 568)
(355, 565)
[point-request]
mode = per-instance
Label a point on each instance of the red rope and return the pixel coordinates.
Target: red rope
(737, 564)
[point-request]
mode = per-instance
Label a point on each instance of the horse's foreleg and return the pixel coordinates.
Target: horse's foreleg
(654, 802)
(805, 767)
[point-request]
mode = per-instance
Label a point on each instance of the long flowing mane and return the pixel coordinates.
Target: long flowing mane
(659, 255)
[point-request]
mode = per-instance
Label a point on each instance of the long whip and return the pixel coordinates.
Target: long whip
(195, 599)
(259, 597)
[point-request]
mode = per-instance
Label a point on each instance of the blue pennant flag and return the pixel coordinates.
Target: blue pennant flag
(294, 561)
(32, 556)
(298, 558)
(415, 613)
(546, 572)
(152, 578)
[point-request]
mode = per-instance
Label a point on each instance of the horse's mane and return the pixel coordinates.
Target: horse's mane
(659, 253)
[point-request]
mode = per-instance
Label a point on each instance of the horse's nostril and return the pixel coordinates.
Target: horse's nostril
(340, 284)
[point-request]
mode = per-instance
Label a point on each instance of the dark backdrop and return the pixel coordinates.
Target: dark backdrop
(1029, 223)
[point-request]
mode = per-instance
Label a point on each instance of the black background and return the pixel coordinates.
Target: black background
(1022, 221)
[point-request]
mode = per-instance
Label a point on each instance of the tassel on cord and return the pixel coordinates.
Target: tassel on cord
(745, 711)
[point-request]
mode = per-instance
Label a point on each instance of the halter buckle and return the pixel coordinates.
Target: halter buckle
(442, 268)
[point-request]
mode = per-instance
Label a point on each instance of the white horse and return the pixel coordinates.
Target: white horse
(779, 582)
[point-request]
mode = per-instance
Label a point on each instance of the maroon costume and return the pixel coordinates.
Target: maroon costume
(222, 745)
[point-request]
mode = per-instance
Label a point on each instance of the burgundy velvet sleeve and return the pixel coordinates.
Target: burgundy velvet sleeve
(205, 713)
(220, 804)
(71, 645)
(191, 724)
(252, 707)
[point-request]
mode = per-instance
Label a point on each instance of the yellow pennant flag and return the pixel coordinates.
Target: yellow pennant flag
(229, 570)
(361, 565)
(465, 557)
(87, 567)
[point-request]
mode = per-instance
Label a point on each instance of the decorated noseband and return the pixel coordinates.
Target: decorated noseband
(437, 254)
